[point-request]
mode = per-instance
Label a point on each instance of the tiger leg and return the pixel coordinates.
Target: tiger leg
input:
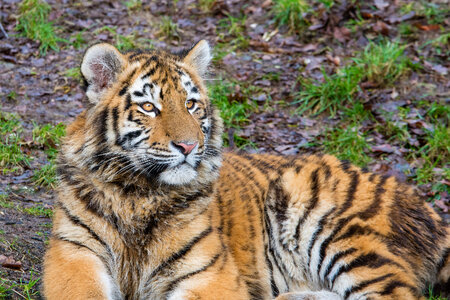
(219, 279)
(371, 276)
(74, 272)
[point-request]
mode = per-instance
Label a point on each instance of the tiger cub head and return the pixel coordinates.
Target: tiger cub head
(148, 116)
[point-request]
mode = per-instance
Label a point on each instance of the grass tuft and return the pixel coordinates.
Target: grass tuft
(11, 143)
(291, 13)
(33, 24)
(384, 63)
(47, 137)
(206, 5)
(234, 109)
(347, 143)
(331, 94)
(168, 28)
(379, 64)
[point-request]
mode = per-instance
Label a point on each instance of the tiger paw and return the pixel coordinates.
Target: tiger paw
(309, 295)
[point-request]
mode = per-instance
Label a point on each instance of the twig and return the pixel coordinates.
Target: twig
(3, 31)
(18, 293)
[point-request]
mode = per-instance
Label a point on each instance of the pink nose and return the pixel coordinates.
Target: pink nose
(185, 148)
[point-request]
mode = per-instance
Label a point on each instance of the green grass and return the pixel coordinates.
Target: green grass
(77, 40)
(332, 93)
(12, 96)
(33, 23)
(4, 201)
(74, 73)
(45, 176)
(122, 42)
(437, 146)
(290, 13)
(38, 211)
(356, 113)
(26, 289)
(393, 130)
(167, 28)
(234, 109)
(206, 5)
(347, 143)
(431, 295)
(12, 157)
(439, 113)
(383, 63)
(133, 4)
(47, 137)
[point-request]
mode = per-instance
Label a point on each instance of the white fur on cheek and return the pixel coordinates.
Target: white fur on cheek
(179, 175)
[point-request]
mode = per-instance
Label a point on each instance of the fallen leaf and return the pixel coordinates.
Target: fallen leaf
(381, 27)
(10, 263)
(440, 69)
(341, 34)
(335, 60)
(428, 27)
(386, 148)
(381, 4)
(441, 204)
(266, 3)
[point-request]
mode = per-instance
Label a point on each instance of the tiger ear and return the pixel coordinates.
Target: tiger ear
(100, 68)
(199, 57)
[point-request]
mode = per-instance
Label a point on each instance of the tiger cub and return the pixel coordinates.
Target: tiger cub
(149, 208)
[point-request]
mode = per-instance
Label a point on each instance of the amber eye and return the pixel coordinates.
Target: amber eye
(148, 106)
(190, 104)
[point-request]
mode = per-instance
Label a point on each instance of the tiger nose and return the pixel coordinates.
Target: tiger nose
(185, 148)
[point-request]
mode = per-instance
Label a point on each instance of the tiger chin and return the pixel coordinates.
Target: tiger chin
(149, 208)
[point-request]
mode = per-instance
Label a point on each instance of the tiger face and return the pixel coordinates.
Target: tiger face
(150, 114)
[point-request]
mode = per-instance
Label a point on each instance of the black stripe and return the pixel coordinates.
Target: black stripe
(174, 283)
(334, 260)
(370, 260)
(140, 141)
(182, 252)
(350, 192)
(443, 260)
(128, 102)
(315, 189)
(115, 119)
(268, 228)
(76, 221)
(391, 286)
(364, 284)
(326, 169)
(374, 207)
(355, 230)
(102, 120)
(76, 243)
(123, 90)
(318, 231)
(273, 285)
(347, 204)
(151, 72)
(128, 137)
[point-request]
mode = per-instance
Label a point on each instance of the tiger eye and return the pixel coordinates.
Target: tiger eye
(190, 104)
(148, 106)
